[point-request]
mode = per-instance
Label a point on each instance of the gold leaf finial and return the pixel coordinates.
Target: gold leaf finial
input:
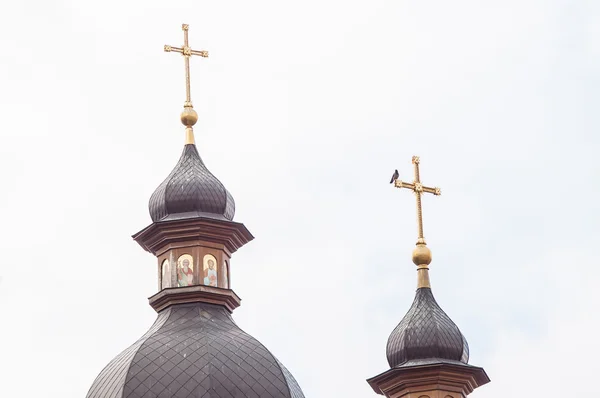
(421, 255)
(189, 117)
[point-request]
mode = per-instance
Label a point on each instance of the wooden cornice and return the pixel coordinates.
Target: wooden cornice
(231, 235)
(401, 381)
(194, 294)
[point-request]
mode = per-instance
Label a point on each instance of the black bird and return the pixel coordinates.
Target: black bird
(395, 176)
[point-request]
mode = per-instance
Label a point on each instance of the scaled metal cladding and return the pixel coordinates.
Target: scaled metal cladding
(191, 187)
(195, 350)
(426, 332)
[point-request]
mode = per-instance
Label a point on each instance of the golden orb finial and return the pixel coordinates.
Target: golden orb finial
(189, 117)
(421, 255)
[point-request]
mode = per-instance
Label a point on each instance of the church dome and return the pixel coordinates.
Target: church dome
(195, 350)
(426, 332)
(191, 190)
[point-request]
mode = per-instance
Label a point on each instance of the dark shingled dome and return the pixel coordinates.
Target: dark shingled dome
(426, 332)
(192, 351)
(191, 191)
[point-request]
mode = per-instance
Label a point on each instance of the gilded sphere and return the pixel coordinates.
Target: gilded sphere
(189, 117)
(421, 255)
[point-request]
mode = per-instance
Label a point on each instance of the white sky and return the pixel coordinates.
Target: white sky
(305, 110)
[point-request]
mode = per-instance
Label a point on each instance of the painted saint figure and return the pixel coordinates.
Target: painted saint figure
(185, 273)
(166, 274)
(210, 270)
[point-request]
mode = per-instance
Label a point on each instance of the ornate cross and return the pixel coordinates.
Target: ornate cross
(187, 52)
(418, 189)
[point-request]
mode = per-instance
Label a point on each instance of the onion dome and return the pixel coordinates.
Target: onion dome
(427, 353)
(426, 332)
(191, 190)
(195, 350)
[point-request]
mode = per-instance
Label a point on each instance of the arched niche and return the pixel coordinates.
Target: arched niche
(185, 270)
(165, 272)
(210, 271)
(225, 282)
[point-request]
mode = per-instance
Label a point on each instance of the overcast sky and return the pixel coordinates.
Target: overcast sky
(305, 109)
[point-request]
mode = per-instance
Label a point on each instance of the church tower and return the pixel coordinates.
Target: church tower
(427, 353)
(194, 348)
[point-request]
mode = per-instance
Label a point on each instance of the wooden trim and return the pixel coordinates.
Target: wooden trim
(157, 237)
(446, 377)
(195, 294)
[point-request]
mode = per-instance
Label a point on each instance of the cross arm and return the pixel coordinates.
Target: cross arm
(435, 191)
(200, 53)
(168, 49)
(180, 50)
(402, 184)
(411, 186)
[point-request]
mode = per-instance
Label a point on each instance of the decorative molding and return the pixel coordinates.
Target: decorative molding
(442, 377)
(194, 294)
(164, 234)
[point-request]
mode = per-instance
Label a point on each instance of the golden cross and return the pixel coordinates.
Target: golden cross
(418, 189)
(187, 52)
